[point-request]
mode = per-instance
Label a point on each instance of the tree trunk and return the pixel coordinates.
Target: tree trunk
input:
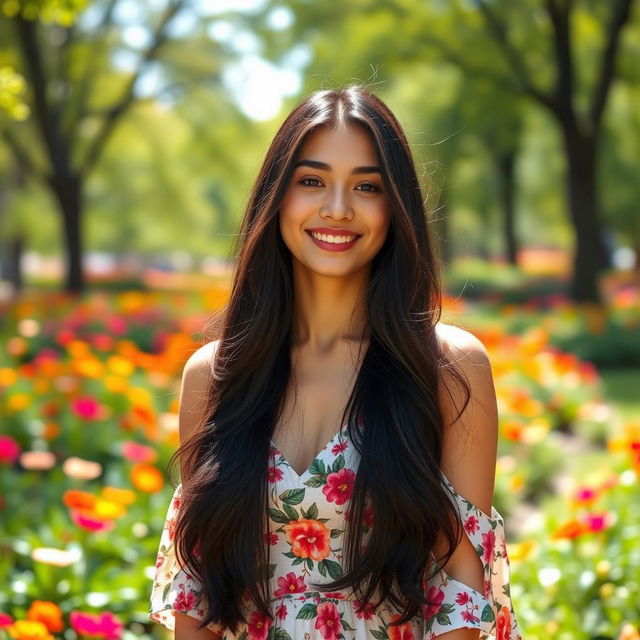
(68, 190)
(506, 164)
(12, 262)
(589, 256)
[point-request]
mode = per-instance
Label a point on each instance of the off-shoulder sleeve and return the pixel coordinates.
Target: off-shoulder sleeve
(173, 589)
(453, 604)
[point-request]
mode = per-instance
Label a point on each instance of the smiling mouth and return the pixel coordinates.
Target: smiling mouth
(344, 238)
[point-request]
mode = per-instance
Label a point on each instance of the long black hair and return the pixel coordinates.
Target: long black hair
(220, 531)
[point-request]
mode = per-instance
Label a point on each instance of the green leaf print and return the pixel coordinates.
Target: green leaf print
(317, 468)
(338, 463)
(322, 568)
(380, 634)
(166, 590)
(308, 611)
(312, 512)
(243, 636)
(506, 590)
(335, 533)
(298, 561)
(279, 516)
(315, 481)
(310, 564)
(279, 634)
(487, 614)
(335, 571)
(292, 496)
(291, 512)
(345, 624)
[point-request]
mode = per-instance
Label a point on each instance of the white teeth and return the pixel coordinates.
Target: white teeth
(332, 239)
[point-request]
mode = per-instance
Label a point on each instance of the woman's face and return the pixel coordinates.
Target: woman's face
(335, 193)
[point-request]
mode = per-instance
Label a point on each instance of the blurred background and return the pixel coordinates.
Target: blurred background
(131, 132)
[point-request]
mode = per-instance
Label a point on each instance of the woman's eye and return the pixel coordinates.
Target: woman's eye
(373, 187)
(304, 182)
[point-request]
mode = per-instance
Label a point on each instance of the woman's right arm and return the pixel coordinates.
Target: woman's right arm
(194, 389)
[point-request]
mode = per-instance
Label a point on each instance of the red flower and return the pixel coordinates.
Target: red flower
(462, 597)
(291, 583)
(258, 626)
(364, 610)
(271, 538)
(328, 621)
(503, 624)
(185, 601)
(468, 616)
(339, 486)
(281, 611)
(274, 475)
(308, 538)
(435, 596)
(400, 632)
(488, 545)
(339, 447)
(471, 525)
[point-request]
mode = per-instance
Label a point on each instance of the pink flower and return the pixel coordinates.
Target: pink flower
(471, 525)
(86, 407)
(364, 610)
(488, 546)
(339, 447)
(101, 625)
(258, 626)
(468, 616)
(136, 452)
(435, 596)
(90, 524)
(328, 621)
(597, 522)
(274, 475)
(462, 597)
(185, 601)
(9, 449)
(291, 583)
(281, 611)
(339, 486)
(5, 620)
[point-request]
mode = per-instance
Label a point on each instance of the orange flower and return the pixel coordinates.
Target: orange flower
(146, 477)
(29, 630)
(570, 530)
(503, 624)
(308, 538)
(80, 500)
(48, 613)
(512, 430)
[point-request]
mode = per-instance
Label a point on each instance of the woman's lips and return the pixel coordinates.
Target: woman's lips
(333, 246)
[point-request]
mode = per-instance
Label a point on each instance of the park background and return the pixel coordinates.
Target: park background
(130, 134)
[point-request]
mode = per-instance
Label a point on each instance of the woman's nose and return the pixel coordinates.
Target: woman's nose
(338, 203)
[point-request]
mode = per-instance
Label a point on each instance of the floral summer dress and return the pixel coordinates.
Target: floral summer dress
(307, 522)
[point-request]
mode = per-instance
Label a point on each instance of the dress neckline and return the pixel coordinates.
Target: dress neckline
(307, 471)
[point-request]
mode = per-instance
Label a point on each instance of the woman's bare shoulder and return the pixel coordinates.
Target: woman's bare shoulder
(199, 366)
(458, 342)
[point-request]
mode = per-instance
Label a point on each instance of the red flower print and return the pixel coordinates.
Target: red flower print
(308, 538)
(258, 626)
(171, 528)
(291, 583)
(339, 486)
(339, 447)
(468, 616)
(471, 525)
(185, 601)
(400, 632)
(281, 611)
(488, 545)
(271, 538)
(274, 475)
(367, 517)
(328, 621)
(435, 596)
(503, 624)
(364, 610)
(462, 597)
(487, 587)
(334, 594)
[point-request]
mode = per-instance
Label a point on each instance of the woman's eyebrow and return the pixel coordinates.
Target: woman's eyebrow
(315, 164)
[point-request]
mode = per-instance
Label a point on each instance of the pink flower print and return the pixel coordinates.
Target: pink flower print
(487, 587)
(258, 626)
(471, 525)
(468, 616)
(291, 583)
(435, 596)
(328, 621)
(462, 598)
(171, 528)
(274, 475)
(339, 447)
(339, 486)
(281, 611)
(364, 610)
(185, 601)
(488, 545)
(271, 537)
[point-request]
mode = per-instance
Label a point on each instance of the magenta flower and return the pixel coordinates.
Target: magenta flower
(136, 452)
(101, 625)
(9, 449)
(86, 407)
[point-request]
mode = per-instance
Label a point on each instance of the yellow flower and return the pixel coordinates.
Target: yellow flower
(29, 630)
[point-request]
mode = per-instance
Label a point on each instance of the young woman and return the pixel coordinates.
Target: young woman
(338, 442)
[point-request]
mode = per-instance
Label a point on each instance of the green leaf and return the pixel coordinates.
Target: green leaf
(322, 568)
(291, 512)
(334, 568)
(307, 612)
(292, 496)
(279, 516)
(487, 614)
(312, 512)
